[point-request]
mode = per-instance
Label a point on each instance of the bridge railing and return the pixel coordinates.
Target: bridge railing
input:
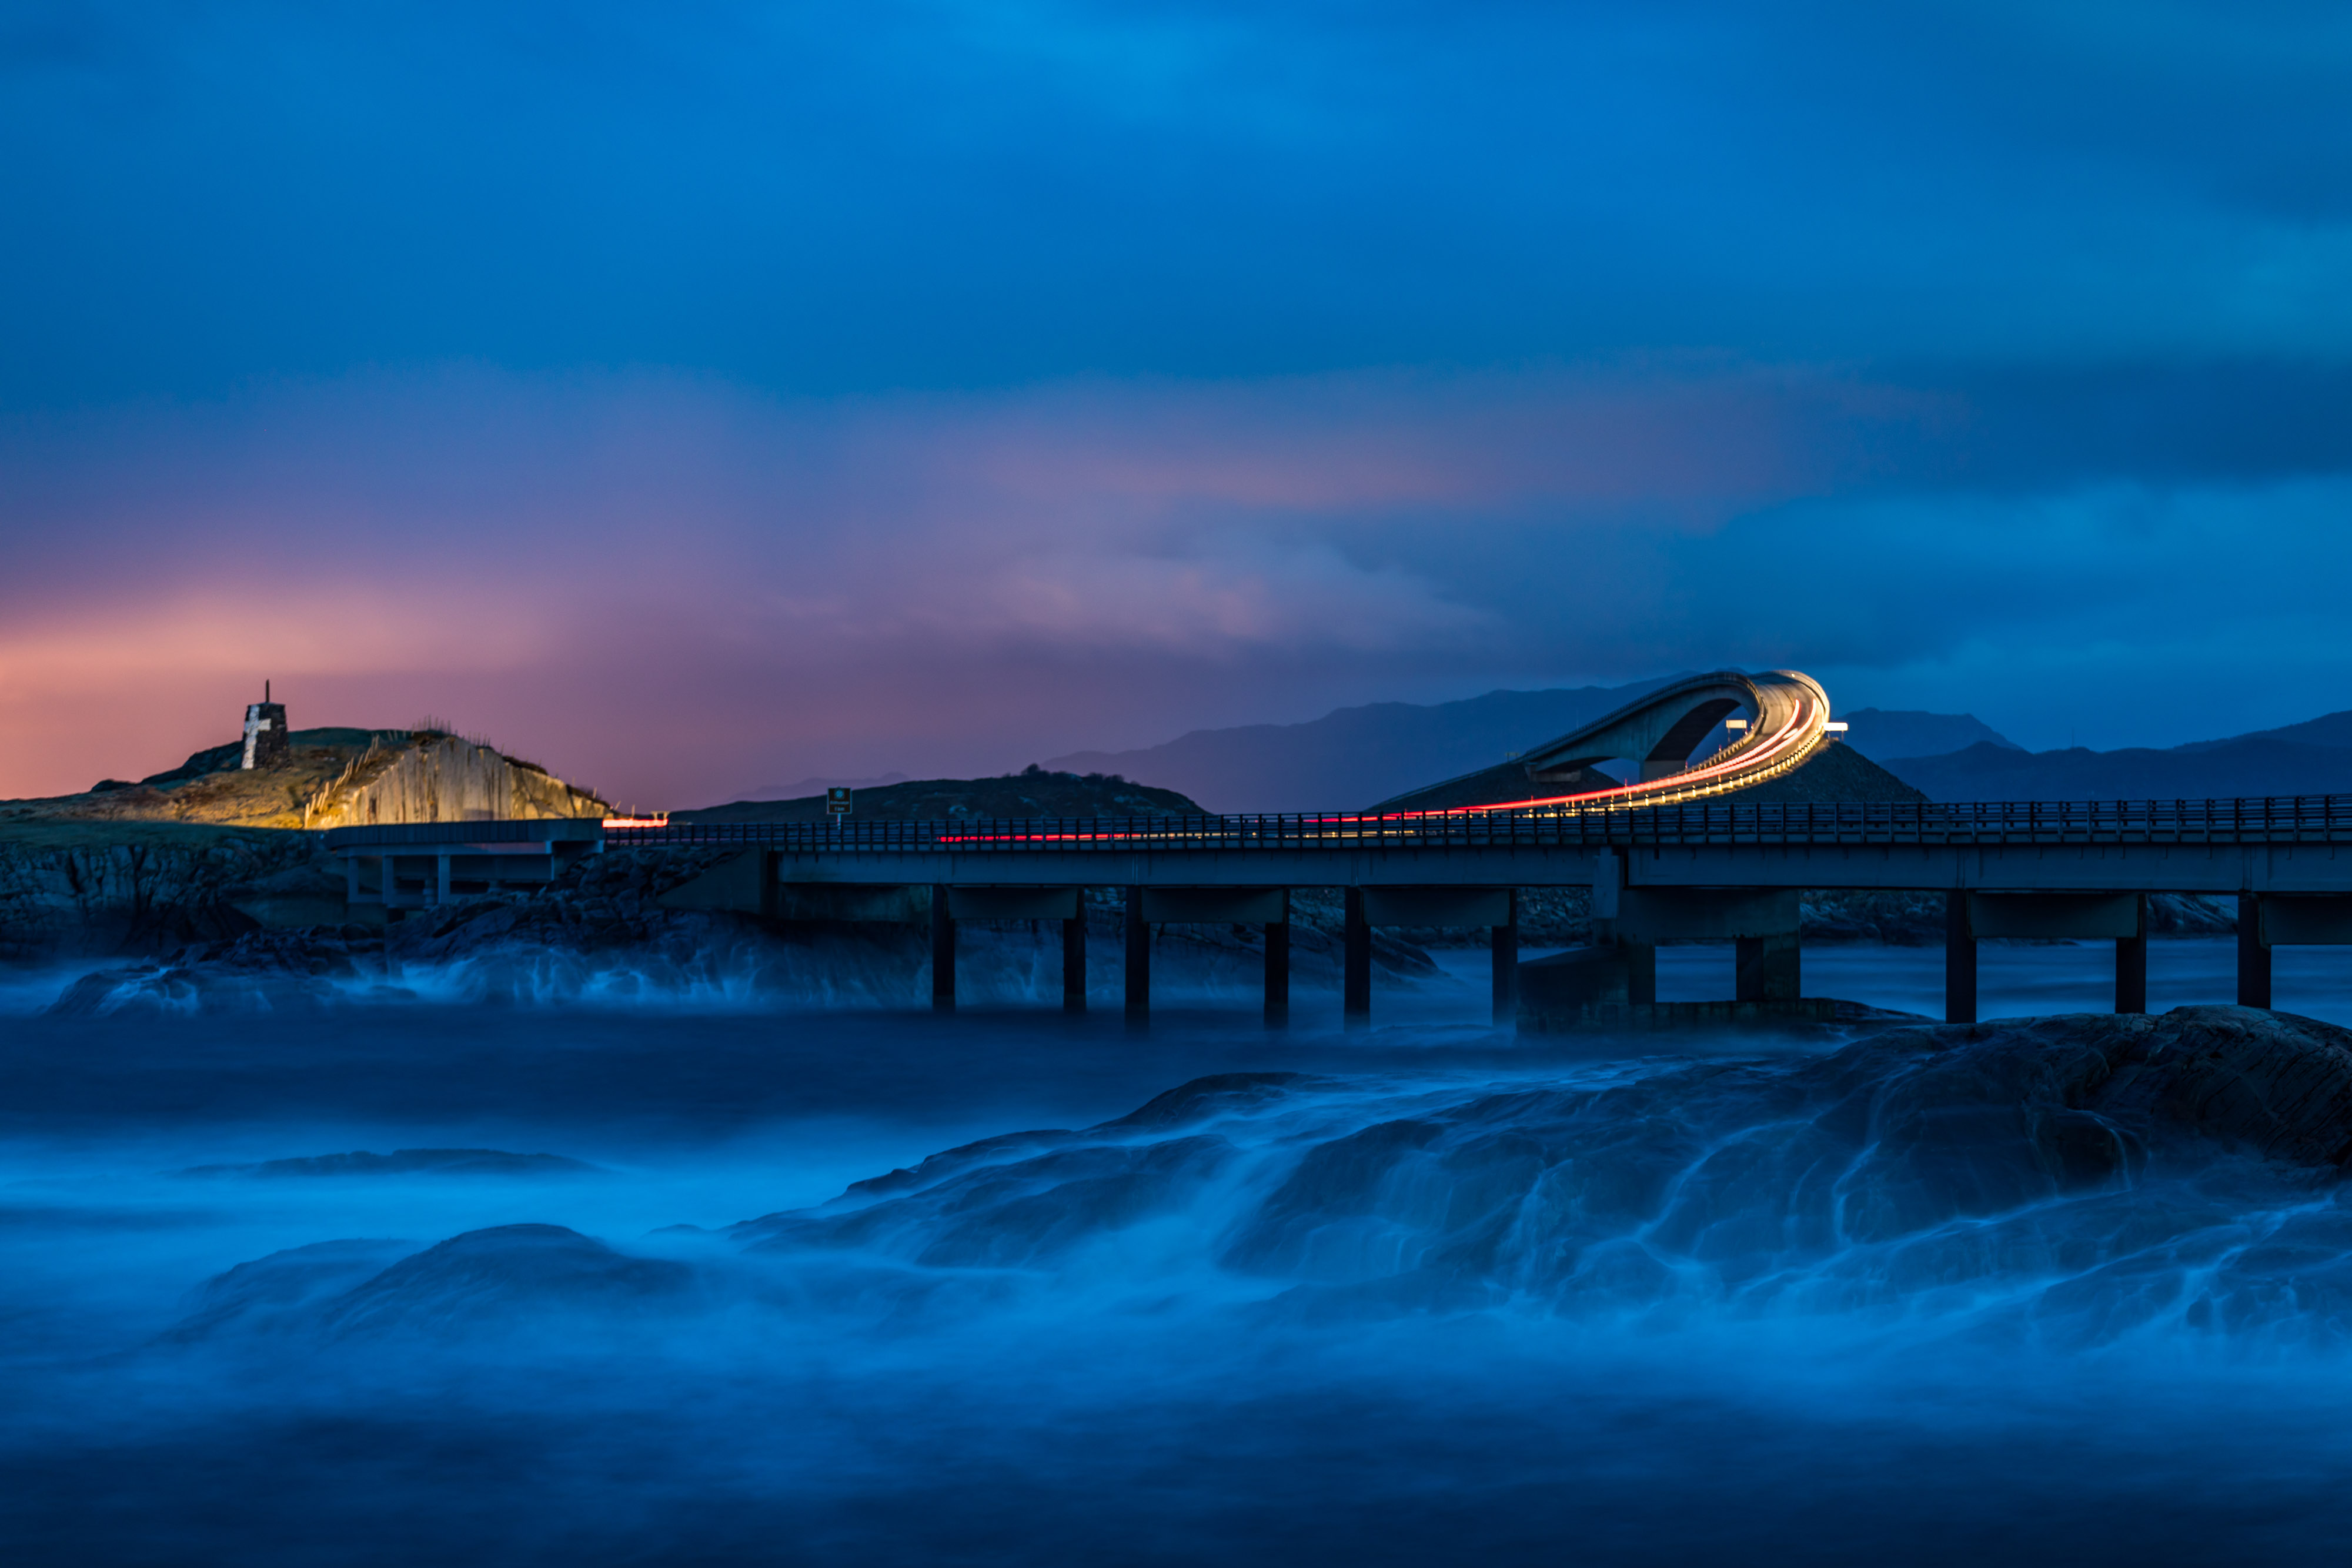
(2301, 818)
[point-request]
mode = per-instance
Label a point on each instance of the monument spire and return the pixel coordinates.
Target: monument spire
(266, 731)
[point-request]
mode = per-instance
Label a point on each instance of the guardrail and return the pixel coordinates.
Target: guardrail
(2301, 819)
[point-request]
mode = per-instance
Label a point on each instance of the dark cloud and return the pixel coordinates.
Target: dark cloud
(813, 198)
(935, 386)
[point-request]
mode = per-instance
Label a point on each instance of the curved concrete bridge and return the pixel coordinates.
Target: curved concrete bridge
(1665, 860)
(1787, 722)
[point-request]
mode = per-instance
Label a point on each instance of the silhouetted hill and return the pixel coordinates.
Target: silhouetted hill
(2248, 765)
(1356, 755)
(1836, 774)
(1879, 734)
(1501, 785)
(1036, 793)
(2334, 729)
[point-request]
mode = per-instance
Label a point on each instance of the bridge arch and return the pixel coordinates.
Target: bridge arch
(1662, 730)
(1660, 733)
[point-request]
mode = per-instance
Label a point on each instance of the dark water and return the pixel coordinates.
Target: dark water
(1443, 1297)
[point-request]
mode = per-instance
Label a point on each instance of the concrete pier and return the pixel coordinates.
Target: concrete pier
(1959, 960)
(1356, 969)
(943, 950)
(1767, 968)
(1277, 966)
(1139, 957)
(1073, 962)
(2131, 963)
(1504, 938)
(2253, 954)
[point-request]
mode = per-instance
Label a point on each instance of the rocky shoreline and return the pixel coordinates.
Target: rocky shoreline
(145, 889)
(602, 929)
(201, 917)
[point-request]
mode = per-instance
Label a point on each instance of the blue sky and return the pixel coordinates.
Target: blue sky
(706, 396)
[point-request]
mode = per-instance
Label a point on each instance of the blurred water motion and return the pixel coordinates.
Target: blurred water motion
(1430, 1294)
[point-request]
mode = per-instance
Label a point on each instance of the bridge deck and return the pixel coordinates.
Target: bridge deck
(2317, 818)
(2283, 844)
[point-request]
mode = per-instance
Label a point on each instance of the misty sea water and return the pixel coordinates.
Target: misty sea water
(1447, 1295)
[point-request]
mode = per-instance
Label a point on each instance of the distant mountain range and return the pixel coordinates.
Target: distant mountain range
(2333, 731)
(1356, 756)
(2206, 769)
(1879, 735)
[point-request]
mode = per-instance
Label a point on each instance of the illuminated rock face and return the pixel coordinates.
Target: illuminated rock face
(443, 779)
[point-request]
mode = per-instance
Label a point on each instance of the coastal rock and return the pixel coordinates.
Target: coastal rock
(2064, 1177)
(151, 888)
(2273, 1082)
(492, 1273)
(272, 1292)
(324, 779)
(504, 1273)
(258, 970)
(1912, 918)
(1561, 918)
(406, 1162)
(1915, 1158)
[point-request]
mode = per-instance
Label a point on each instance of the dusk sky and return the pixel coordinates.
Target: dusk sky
(698, 398)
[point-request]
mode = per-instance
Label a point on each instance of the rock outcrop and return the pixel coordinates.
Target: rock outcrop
(326, 779)
(146, 888)
(443, 778)
(1915, 918)
(2055, 1162)
(2272, 1081)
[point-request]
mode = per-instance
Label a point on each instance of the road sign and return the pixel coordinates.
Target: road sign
(837, 802)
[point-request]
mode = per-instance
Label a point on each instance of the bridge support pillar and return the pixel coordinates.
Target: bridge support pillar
(1139, 957)
(1506, 966)
(1640, 972)
(1959, 960)
(1767, 968)
(1356, 972)
(2253, 954)
(1277, 967)
(1074, 959)
(943, 950)
(2131, 967)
